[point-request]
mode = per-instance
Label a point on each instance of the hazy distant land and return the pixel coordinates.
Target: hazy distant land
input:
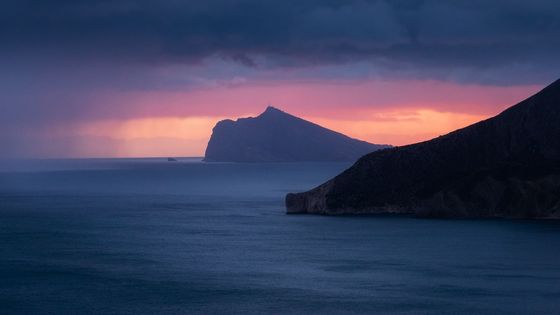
(276, 136)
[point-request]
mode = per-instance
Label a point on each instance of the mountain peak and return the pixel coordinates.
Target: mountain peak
(276, 136)
(272, 110)
(554, 87)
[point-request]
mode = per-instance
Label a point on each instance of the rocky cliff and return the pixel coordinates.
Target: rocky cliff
(506, 166)
(276, 136)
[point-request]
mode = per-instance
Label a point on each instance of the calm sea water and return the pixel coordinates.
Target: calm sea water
(151, 236)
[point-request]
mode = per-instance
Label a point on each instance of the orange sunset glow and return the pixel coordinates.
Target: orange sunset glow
(179, 123)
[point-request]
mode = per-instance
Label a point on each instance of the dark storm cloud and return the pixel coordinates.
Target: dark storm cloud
(63, 62)
(517, 40)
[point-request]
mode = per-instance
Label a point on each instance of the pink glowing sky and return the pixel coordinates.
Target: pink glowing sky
(178, 123)
(151, 78)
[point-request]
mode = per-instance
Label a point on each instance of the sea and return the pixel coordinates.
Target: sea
(150, 236)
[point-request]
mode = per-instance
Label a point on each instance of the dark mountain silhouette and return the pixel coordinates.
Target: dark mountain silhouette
(506, 166)
(275, 136)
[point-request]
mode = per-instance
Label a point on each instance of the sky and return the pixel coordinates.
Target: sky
(112, 78)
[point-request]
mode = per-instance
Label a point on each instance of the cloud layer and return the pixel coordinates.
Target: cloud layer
(70, 62)
(507, 41)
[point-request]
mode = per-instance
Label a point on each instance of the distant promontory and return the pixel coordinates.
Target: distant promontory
(276, 136)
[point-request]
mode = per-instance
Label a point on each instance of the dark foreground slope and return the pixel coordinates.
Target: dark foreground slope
(506, 166)
(275, 136)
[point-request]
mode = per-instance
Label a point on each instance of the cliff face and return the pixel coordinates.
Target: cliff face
(275, 136)
(506, 166)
